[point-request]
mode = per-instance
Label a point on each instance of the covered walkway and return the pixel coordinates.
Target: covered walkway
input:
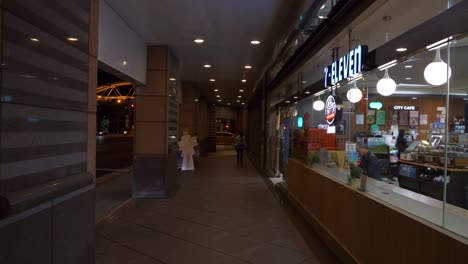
(223, 213)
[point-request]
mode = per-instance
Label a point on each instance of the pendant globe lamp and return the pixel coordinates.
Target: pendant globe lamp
(435, 72)
(318, 104)
(386, 86)
(354, 95)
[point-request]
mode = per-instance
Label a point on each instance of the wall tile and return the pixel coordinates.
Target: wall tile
(28, 240)
(150, 138)
(151, 108)
(74, 229)
(157, 58)
(156, 84)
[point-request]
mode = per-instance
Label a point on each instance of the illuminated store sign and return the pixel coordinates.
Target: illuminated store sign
(347, 66)
(375, 105)
(330, 109)
(404, 107)
(300, 122)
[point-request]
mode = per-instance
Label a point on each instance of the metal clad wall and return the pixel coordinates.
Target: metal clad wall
(44, 92)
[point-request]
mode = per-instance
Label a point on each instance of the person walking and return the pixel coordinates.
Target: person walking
(240, 145)
(401, 143)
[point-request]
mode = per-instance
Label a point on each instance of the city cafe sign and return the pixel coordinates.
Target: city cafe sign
(346, 66)
(404, 107)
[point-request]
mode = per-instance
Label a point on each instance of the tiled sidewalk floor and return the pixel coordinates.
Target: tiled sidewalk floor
(222, 214)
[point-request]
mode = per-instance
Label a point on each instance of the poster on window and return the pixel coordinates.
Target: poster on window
(423, 118)
(403, 118)
(414, 118)
(371, 117)
(393, 118)
(380, 118)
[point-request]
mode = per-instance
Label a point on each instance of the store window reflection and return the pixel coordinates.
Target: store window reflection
(416, 130)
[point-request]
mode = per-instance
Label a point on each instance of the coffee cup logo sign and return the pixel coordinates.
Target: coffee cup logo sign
(330, 110)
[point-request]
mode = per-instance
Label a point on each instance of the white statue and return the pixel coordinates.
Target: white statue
(186, 145)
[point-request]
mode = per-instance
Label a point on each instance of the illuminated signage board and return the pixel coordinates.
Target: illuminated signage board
(330, 109)
(375, 105)
(300, 122)
(404, 107)
(346, 66)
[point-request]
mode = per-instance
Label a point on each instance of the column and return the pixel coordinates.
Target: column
(155, 140)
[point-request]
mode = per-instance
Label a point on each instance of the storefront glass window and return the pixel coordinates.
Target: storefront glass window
(455, 160)
(416, 133)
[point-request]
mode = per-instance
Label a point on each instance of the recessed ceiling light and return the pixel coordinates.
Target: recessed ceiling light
(207, 66)
(196, 100)
(216, 90)
(124, 63)
(307, 92)
(248, 67)
(239, 96)
(255, 42)
(172, 79)
(295, 97)
(304, 81)
(34, 39)
(238, 101)
(409, 66)
(401, 49)
(228, 103)
(72, 39)
(241, 91)
(322, 17)
(212, 80)
(218, 95)
(414, 98)
(244, 80)
(219, 100)
(408, 78)
(198, 40)
(243, 104)
(288, 102)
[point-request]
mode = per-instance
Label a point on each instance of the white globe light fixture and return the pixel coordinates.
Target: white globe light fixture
(354, 95)
(318, 105)
(435, 72)
(386, 86)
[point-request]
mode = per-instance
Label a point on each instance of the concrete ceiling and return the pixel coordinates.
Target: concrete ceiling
(227, 27)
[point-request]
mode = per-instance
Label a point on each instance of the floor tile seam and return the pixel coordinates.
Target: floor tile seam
(193, 243)
(192, 220)
(131, 248)
(293, 249)
(310, 258)
(189, 221)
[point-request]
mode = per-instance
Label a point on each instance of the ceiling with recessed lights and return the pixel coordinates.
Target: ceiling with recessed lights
(227, 29)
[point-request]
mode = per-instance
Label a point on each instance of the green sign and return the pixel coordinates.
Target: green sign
(300, 122)
(375, 105)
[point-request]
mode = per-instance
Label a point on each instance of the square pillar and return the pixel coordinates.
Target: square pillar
(156, 115)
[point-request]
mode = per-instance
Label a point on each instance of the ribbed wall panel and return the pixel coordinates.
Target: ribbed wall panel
(44, 93)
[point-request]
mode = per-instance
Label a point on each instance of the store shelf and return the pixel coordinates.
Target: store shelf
(432, 166)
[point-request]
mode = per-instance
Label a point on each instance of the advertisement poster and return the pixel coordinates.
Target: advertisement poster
(414, 118)
(404, 118)
(423, 119)
(380, 118)
(393, 118)
(371, 117)
(360, 119)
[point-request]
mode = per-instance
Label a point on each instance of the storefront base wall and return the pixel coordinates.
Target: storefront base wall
(365, 228)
